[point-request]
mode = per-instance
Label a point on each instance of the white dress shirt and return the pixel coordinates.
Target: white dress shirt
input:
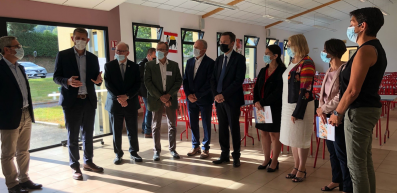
(197, 65)
(228, 58)
(163, 70)
(20, 78)
(124, 67)
(82, 64)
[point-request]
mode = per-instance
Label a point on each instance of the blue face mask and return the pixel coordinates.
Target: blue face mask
(290, 52)
(324, 57)
(351, 34)
(119, 57)
(159, 55)
(266, 59)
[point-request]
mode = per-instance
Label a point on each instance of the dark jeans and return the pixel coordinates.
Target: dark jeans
(147, 120)
(194, 112)
(338, 158)
(116, 121)
(229, 117)
(81, 116)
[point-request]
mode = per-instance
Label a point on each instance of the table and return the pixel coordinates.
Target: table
(388, 99)
(246, 108)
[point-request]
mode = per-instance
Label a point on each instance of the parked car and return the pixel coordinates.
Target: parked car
(33, 70)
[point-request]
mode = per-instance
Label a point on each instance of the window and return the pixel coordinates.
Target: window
(145, 36)
(250, 45)
(287, 58)
(42, 41)
(189, 36)
(271, 41)
(349, 53)
(218, 39)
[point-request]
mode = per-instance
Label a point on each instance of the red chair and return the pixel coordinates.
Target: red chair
(143, 106)
(214, 117)
(183, 116)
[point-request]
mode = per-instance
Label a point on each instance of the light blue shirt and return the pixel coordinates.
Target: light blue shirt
(20, 78)
(82, 64)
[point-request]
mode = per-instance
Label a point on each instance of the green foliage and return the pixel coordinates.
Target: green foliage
(42, 28)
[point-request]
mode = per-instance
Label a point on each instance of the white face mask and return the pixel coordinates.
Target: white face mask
(196, 52)
(20, 53)
(80, 44)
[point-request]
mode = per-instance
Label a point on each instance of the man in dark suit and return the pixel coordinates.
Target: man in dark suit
(122, 81)
(77, 71)
(197, 87)
(147, 121)
(226, 84)
(16, 112)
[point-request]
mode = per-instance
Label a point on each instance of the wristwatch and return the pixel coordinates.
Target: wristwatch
(336, 113)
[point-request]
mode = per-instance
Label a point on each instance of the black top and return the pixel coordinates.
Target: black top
(142, 91)
(368, 97)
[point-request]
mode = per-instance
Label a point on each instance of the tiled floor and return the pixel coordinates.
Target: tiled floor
(191, 174)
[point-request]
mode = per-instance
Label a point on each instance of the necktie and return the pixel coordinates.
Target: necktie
(122, 70)
(220, 81)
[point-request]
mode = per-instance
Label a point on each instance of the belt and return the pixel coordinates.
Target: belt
(25, 108)
(82, 96)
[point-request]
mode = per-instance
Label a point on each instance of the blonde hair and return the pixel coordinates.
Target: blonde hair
(299, 45)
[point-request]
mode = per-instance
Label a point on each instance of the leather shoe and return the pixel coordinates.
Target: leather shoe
(30, 185)
(175, 155)
(77, 175)
(148, 136)
(221, 160)
(236, 163)
(92, 167)
(194, 151)
(118, 160)
(205, 154)
(136, 157)
(17, 189)
(156, 156)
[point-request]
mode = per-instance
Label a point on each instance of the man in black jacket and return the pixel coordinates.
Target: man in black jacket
(122, 82)
(147, 121)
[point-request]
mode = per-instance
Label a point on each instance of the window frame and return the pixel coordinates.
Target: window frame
(218, 39)
(246, 37)
(201, 36)
(135, 33)
(268, 41)
(285, 51)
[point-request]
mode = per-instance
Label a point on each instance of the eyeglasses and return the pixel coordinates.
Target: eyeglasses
(16, 46)
(162, 50)
(121, 51)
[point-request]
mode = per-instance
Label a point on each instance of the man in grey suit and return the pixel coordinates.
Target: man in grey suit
(163, 81)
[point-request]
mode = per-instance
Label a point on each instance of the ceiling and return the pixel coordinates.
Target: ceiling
(105, 5)
(252, 11)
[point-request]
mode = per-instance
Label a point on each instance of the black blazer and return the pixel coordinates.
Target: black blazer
(201, 85)
(273, 92)
(142, 91)
(11, 101)
(66, 67)
(232, 88)
(116, 86)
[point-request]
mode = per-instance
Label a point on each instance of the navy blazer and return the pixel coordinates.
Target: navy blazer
(201, 84)
(66, 67)
(232, 87)
(117, 86)
(11, 100)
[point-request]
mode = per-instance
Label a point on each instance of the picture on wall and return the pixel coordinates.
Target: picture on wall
(171, 40)
(239, 46)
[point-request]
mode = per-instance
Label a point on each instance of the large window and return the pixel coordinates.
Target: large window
(218, 48)
(271, 41)
(250, 45)
(145, 36)
(287, 58)
(41, 42)
(189, 36)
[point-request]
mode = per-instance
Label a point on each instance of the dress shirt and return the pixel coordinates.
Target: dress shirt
(163, 70)
(19, 77)
(124, 68)
(82, 64)
(228, 58)
(197, 65)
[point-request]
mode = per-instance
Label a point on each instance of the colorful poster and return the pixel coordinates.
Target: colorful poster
(263, 116)
(239, 46)
(171, 40)
(325, 130)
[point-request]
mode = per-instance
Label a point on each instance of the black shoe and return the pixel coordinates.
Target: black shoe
(270, 170)
(236, 163)
(118, 160)
(30, 185)
(136, 157)
(175, 155)
(221, 160)
(17, 189)
(156, 156)
(263, 167)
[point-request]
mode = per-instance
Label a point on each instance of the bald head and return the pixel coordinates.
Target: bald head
(123, 49)
(200, 47)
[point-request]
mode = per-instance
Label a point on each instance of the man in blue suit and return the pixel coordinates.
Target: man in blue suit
(197, 87)
(77, 71)
(122, 81)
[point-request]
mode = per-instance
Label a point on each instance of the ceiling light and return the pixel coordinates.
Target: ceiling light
(324, 28)
(362, 1)
(282, 19)
(214, 3)
(293, 21)
(384, 12)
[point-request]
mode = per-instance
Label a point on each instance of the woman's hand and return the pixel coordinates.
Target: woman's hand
(258, 106)
(323, 117)
(335, 120)
(293, 119)
(319, 111)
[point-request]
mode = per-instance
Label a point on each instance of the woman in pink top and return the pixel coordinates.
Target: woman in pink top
(329, 100)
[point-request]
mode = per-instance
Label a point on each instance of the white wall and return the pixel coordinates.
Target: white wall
(386, 36)
(173, 21)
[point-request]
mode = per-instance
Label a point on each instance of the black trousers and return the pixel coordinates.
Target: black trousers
(131, 120)
(229, 117)
(338, 158)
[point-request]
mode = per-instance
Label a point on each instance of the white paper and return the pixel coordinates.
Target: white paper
(263, 116)
(169, 73)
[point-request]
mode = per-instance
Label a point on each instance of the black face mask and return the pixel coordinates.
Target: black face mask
(224, 48)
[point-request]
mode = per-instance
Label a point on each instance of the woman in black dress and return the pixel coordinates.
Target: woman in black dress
(268, 92)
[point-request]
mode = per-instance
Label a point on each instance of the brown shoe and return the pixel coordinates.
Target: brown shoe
(205, 154)
(92, 167)
(77, 175)
(148, 135)
(194, 151)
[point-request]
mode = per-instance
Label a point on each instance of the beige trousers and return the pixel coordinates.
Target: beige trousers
(16, 143)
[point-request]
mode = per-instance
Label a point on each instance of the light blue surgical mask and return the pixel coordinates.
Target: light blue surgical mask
(119, 57)
(324, 57)
(290, 52)
(159, 55)
(351, 34)
(266, 59)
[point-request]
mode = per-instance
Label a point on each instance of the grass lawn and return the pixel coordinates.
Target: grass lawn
(40, 88)
(50, 114)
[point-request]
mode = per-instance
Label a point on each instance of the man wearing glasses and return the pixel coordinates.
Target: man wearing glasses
(163, 81)
(122, 81)
(16, 112)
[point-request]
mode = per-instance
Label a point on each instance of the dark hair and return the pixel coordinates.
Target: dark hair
(275, 49)
(372, 16)
(150, 51)
(80, 30)
(335, 47)
(166, 45)
(231, 36)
